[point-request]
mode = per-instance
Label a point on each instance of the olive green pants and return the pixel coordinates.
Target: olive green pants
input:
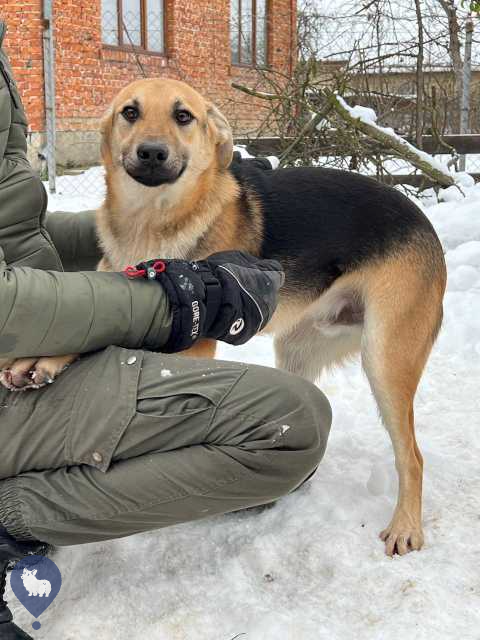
(128, 441)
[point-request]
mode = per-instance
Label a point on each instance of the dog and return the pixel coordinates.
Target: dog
(35, 587)
(364, 268)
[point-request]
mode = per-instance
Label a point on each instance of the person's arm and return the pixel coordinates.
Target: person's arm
(75, 238)
(47, 313)
(163, 305)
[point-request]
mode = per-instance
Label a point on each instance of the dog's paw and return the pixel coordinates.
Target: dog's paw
(402, 535)
(33, 373)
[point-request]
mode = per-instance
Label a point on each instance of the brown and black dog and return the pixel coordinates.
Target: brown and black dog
(364, 268)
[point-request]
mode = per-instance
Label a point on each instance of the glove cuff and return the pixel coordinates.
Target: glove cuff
(195, 297)
(188, 314)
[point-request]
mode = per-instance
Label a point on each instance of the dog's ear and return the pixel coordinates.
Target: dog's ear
(223, 133)
(106, 126)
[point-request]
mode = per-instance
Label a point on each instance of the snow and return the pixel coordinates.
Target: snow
(274, 161)
(78, 192)
(364, 113)
(242, 149)
(464, 179)
(450, 194)
(312, 566)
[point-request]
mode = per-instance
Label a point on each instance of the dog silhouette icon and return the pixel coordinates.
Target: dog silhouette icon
(33, 586)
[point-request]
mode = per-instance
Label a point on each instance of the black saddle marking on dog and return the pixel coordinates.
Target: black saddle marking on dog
(321, 223)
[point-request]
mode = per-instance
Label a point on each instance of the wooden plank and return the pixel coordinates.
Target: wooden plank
(263, 146)
(464, 144)
(416, 180)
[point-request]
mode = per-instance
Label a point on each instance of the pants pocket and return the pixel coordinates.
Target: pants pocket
(177, 401)
(104, 405)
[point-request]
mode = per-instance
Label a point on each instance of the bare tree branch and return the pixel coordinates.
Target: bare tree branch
(304, 131)
(400, 148)
(256, 94)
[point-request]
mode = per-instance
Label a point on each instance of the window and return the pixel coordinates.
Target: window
(134, 23)
(248, 32)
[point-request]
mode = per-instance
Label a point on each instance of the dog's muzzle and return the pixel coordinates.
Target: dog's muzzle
(153, 165)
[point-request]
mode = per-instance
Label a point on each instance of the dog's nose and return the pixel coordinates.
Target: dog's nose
(152, 154)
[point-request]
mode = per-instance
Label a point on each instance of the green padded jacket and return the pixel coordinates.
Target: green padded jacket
(45, 310)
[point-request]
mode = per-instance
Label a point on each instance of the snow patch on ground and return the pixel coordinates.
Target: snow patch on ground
(312, 567)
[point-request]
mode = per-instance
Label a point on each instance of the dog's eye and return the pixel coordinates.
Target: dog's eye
(130, 114)
(182, 116)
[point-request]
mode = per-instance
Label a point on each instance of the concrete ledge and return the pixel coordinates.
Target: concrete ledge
(73, 149)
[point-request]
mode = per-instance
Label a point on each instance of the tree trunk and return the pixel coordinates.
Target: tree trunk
(455, 51)
(419, 111)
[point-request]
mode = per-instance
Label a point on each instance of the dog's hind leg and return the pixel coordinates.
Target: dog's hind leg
(308, 349)
(402, 316)
(328, 332)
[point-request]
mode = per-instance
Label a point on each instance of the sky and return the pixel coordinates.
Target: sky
(343, 23)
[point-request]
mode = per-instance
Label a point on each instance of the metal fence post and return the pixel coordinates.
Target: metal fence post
(467, 76)
(49, 82)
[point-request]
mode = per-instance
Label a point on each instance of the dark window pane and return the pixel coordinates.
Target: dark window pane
(261, 32)
(235, 29)
(132, 22)
(155, 33)
(246, 32)
(110, 22)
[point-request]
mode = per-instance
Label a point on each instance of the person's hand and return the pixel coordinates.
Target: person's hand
(230, 296)
(250, 288)
(32, 373)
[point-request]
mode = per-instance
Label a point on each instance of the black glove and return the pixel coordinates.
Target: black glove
(230, 296)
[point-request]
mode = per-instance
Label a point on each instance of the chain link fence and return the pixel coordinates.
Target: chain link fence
(472, 163)
(84, 188)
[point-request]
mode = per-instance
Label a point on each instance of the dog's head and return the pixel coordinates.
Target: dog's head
(27, 574)
(158, 130)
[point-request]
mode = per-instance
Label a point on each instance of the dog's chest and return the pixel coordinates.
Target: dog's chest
(144, 246)
(154, 233)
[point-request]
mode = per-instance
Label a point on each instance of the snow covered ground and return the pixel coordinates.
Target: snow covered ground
(312, 567)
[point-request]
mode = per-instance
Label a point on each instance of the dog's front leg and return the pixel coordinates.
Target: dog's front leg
(204, 348)
(33, 373)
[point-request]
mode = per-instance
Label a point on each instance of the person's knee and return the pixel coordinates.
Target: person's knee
(303, 417)
(277, 424)
(310, 410)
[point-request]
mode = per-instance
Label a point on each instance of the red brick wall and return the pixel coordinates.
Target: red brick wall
(23, 43)
(88, 74)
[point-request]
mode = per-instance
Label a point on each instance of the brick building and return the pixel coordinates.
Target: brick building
(102, 45)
